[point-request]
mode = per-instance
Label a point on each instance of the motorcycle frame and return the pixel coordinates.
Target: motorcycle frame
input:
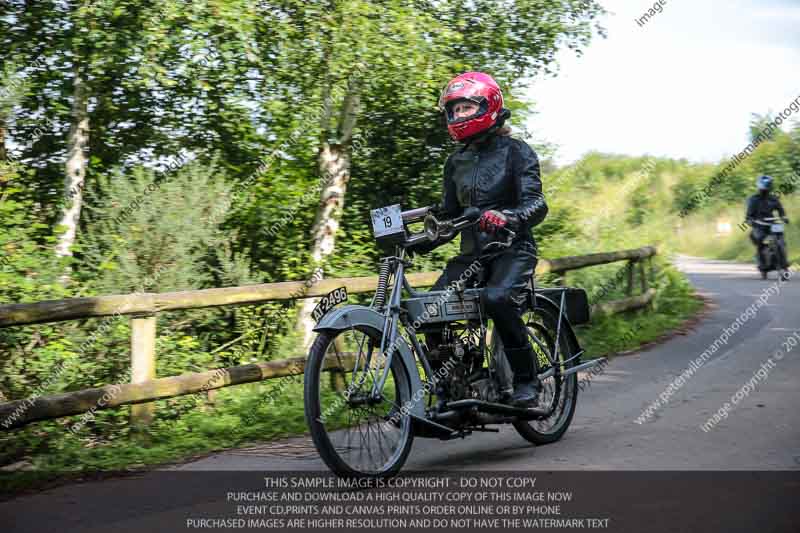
(772, 242)
(394, 344)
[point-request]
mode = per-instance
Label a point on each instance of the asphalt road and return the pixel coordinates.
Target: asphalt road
(760, 432)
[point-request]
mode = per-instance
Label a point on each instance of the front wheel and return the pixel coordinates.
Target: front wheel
(558, 393)
(357, 436)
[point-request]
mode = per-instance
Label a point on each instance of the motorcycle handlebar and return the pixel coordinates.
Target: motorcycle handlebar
(415, 215)
(418, 214)
(435, 228)
(769, 220)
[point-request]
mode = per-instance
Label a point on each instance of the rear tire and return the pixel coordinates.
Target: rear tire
(558, 390)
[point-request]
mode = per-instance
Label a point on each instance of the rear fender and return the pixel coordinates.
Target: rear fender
(566, 327)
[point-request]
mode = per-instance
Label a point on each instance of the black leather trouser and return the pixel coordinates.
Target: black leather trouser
(757, 238)
(506, 276)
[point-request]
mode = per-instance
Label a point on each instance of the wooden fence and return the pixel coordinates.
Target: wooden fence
(142, 309)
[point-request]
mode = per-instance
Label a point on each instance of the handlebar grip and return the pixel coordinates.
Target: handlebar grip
(472, 213)
(415, 215)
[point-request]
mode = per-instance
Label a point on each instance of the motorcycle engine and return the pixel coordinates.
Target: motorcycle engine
(454, 364)
(457, 382)
(485, 389)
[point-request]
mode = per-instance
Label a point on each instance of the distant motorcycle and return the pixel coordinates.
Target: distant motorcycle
(370, 383)
(774, 252)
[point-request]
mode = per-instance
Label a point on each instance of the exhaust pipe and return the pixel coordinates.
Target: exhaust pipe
(447, 416)
(583, 366)
(499, 409)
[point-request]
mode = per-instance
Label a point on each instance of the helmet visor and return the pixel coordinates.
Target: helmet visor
(464, 109)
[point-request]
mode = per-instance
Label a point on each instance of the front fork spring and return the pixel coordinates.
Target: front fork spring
(383, 281)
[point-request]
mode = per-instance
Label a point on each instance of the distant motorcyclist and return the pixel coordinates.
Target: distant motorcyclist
(499, 175)
(760, 206)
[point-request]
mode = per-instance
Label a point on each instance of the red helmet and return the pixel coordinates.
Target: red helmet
(475, 87)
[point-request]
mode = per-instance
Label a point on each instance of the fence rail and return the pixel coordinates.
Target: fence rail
(142, 308)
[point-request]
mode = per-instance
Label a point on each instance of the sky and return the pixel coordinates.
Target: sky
(683, 85)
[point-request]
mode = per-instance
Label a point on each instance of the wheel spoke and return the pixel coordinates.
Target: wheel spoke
(384, 437)
(371, 432)
(557, 391)
(360, 437)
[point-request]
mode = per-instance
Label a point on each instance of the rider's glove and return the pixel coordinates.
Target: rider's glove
(512, 220)
(491, 221)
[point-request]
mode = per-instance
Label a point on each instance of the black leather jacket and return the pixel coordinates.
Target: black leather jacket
(500, 173)
(762, 206)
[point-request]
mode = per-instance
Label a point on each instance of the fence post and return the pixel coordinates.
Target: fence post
(643, 275)
(629, 289)
(143, 363)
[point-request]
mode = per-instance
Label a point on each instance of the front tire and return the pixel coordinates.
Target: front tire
(336, 405)
(780, 258)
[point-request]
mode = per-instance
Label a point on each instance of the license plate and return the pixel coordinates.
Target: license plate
(777, 228)
(387, 220)
(336, 296)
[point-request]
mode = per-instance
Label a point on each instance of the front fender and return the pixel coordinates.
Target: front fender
(347, 316)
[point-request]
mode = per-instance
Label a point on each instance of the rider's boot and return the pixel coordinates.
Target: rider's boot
(526, 383)
(526, 394)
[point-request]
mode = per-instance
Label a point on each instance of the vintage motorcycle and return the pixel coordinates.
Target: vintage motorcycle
(369, 390)
(774, 254)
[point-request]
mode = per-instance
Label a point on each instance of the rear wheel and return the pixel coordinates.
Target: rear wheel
(558, 392)
(356, 435)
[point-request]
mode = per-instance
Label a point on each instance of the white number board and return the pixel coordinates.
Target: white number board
(387, 220)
